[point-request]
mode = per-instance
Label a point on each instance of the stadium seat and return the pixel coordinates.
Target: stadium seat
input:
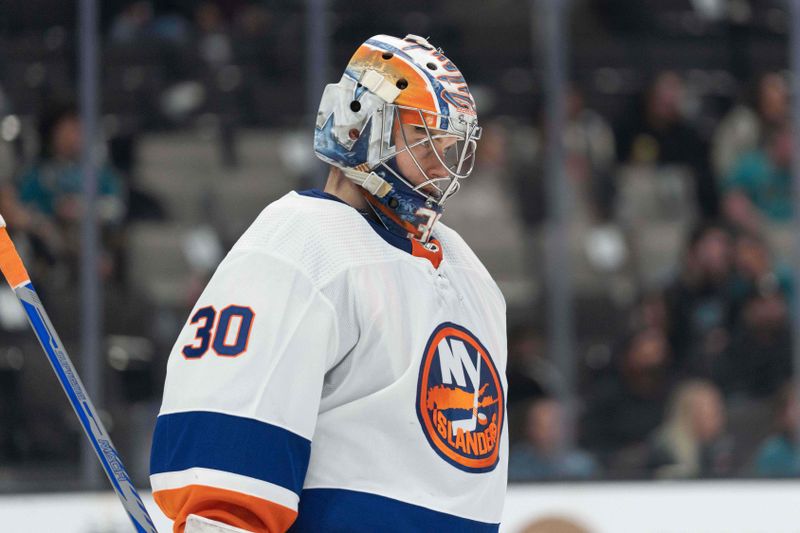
(157, 263)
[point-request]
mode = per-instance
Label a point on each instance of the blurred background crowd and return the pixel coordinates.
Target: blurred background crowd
(677, 157)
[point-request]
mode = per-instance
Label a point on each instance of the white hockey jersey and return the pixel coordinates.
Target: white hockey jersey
(332, 379)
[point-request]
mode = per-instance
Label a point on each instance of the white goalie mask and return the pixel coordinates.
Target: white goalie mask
(389, 83)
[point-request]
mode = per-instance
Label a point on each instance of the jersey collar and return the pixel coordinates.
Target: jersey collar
(432, 251)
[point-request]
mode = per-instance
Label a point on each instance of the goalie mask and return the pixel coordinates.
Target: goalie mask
(400, 98)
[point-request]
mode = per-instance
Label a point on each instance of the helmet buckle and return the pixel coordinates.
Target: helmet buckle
(379, 86)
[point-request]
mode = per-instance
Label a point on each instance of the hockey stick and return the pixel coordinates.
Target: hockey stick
(17, 277)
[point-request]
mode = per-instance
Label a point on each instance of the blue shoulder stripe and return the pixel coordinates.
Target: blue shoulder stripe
(347, 511)
(231, 444)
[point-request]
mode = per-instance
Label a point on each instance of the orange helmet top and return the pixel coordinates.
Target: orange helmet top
(426, 78)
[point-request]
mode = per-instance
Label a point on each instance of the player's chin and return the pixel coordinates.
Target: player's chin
(430, 190)
(423, 184)
(420, 182)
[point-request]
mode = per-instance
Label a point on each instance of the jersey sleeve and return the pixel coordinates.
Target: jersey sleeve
(244, 380)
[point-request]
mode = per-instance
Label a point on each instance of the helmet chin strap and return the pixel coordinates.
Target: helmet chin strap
(402, 210)
(374, 184)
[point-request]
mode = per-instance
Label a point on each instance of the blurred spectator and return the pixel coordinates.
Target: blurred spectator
(253, 21)
(700, 303)
(756, 271)
(650, 312)
(542, 455)
(142, 204)
(228, 9)
(525, 166)
(492, 156)
(778, 456)
(760, 354)
(51, 188)
(692, 441)
(624, 407)
(53, 184)
(590, 152)
(138, 22)
(35, 234)
(131, 22)
(214, 43)
(760, 183)
(658, 134)
(524, 379)
(743, 128)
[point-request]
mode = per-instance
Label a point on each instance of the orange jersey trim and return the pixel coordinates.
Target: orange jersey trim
(419, 250)
(226, 506)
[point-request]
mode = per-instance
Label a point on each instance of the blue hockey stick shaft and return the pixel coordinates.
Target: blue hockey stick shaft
(17, 277)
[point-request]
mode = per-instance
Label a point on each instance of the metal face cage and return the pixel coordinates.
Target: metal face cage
(457, 159)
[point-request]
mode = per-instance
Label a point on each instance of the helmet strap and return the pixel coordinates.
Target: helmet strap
(370, 181)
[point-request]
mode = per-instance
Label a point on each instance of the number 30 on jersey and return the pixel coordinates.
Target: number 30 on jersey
(227, 332)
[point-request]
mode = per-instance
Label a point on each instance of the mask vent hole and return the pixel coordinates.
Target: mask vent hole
(387, 55)
(355, 106)
(402, 83)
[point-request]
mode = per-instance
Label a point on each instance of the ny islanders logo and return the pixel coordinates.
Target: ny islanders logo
(460, 399)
